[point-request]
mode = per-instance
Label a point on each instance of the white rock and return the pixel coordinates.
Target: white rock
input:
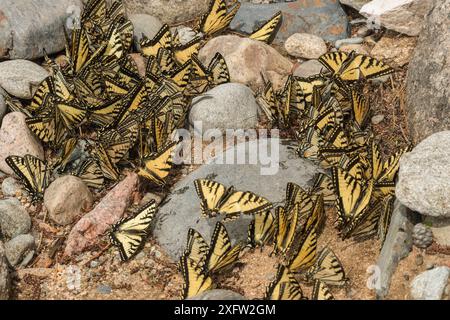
(20, 77)
(430, 285)
(424, 176)
(404, 16)
(144, 24)
(305, 45)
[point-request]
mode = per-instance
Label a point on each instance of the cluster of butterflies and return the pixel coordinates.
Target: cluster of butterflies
(293, 230)
(333, 116)
(99, 115)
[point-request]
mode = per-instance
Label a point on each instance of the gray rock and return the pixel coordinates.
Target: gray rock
(144, 24)
(422, 236)
(10, 186)
(424, 176)
(227, 106)
(14, 219)
(308, 68)
(325, 19)
(18, 77)
(5, 278)
(355, 4)
(19, 249)
(168, 11)
(397, 245)
(430, 285)
(104, 289)
(440, 228)
(341, 42)
(30, 26)
(218, 294)
(185, 34)
(305, 45)
(66, 199)
(428, 84)
(399, 15)
(181, 210)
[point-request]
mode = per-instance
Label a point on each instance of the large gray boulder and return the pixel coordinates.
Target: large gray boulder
(5, 278)
(27, 27)
(428, 79)
(181, 210)
(424, 176)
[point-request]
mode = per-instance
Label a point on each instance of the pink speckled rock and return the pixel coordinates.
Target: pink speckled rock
(108, 211)
(16, 139)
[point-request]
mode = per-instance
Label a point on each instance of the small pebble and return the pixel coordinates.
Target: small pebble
(377, 119)
(104, 289)
(94, 264)
(406, 276)
(341, 42)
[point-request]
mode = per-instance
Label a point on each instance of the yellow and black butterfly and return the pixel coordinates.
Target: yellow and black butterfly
(130, 233)
(361, 109)
(284, 287)
(196, 280)
(305, 254)
(157, 166)
(204, 78)
(321, 291)
(33, 173)
(268, 31)
(184, 52)
(261, 229)
(352, 196)
(216, 199)
(353, 66)
(90, 172)
(328, 269)
(163, 39)
(218, 18)
(385, 218)
(286, 223)
(196, 248)
(221, 255)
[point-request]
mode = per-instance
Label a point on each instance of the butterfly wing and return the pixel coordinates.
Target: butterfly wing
(268, 31)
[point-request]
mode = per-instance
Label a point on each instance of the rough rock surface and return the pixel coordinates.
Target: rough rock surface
(396, 51)
(247, 59)
(428, 84)
(66, 199)
(20, 77)
(27, 27)
(324, 18)
(397, 245)
(424, 176)
(20, 250)
(430, 285)
(404, 16)
(304, 45)
(16, 139)
(440, 227)
(227, 106)
(11, 186)
(168, 11)
(14, 219)
(107, 212)
(181, 210)
(308, 68)
(355, 4)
